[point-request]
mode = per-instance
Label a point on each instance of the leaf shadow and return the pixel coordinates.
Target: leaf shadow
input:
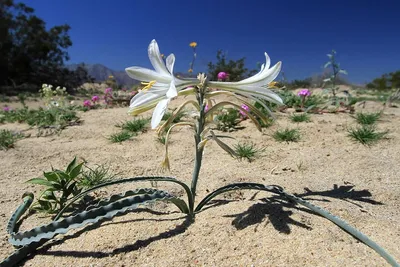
(274, 209)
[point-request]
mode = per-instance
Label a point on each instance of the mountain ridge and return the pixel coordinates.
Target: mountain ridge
(100, 73)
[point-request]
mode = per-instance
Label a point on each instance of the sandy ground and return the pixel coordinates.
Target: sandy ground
(241, 228)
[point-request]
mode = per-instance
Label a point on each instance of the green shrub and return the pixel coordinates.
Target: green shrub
(227, 119)
(8, 139)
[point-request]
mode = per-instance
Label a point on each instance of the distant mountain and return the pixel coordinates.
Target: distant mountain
(100, 73)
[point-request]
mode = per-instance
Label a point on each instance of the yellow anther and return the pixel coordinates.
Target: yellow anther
(148, 85)
(273, 85)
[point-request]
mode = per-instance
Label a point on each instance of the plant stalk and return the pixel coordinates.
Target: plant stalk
(199, 151)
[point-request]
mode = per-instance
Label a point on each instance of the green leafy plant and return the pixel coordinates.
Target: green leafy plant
(366, 134)
(302, 117)
(336, 70)
(227, 119)
(367, 118)
(247, 150)
(121, 136)
(60, 187)
(177, 117)
(49, 121)
(287, 135)
(8, 139)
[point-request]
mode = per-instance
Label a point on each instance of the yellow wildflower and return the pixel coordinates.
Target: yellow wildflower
(193, 44)
(190, 70)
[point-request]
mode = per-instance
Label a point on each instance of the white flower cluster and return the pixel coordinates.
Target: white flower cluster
(53, 97)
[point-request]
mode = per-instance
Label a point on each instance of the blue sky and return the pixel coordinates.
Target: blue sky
(116, 33)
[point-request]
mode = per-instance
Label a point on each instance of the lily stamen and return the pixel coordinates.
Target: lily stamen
(147, 85)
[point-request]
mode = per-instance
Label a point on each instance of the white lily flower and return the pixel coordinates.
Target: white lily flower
(161, 85)
(254, 86)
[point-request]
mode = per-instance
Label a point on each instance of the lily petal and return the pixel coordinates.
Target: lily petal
(156, 59)
(146, 75)
(172, 92)
(265, 77)
(170, 63)
(159, 113)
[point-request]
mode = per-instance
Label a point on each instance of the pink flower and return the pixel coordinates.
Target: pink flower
(206, 108)
(245, 108)
(222, 75)
(108, 91)
(87, 103)
(6, 109)
(95, 98)
(304, 92)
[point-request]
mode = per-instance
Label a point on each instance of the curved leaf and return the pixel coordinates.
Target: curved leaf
(81, 219)
(128, 180)
(237, 186)
(179, 203)
(41, 181)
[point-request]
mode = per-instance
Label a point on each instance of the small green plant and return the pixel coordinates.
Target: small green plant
(162, 138)
(302, 117)
(366, 134)
(178, 117)
(287, 135)
(336, 70)
(367, 118)
(60, 187)
(8, 139)
(53, 119)
(121, 136)
(227, 119)
(134, 126)
(95, 176)
(247, 150)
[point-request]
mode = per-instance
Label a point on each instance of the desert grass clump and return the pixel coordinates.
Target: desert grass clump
(134, 126)
(367, 118)
(8, 139)
(287, 135)
(95, 176)
(302, 117)
(366, 135)
(120, 137)
(247, 150)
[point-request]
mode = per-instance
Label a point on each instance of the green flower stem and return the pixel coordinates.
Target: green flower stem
(199, 151)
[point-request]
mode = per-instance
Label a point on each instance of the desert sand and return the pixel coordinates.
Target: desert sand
(360, 184)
